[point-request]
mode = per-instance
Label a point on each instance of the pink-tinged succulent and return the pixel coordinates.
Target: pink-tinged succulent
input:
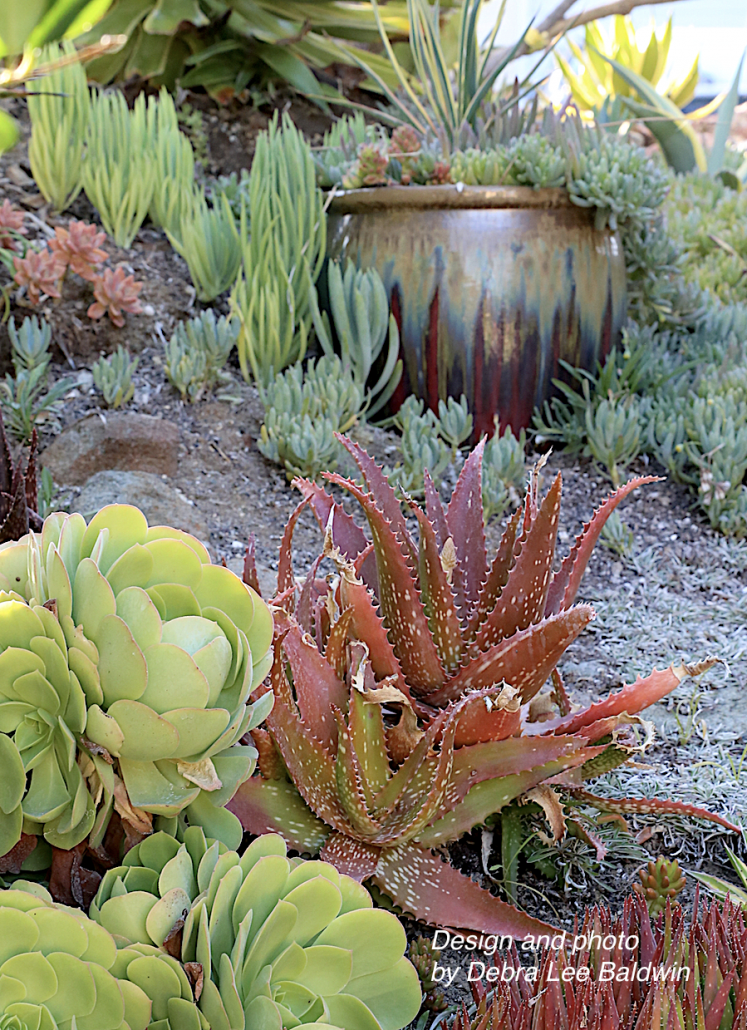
(10, 219)
(669, 973)
(115, 293)
(40, 272)
(79, 246)
(401, 716)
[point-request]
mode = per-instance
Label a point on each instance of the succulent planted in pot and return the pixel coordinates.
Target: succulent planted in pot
(60, 969)
(279, 941)
(127, 660)
(459, 650)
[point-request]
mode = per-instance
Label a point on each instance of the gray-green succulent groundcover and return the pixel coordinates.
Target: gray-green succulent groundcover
(280, 941)
(59, 970)
(126, 663)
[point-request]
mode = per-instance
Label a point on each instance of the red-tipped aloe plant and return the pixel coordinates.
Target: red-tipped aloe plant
(458, 649)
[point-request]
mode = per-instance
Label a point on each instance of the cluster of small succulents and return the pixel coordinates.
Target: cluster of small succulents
(197, 352)
(76, 249)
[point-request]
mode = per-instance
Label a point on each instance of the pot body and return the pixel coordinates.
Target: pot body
(491, 287)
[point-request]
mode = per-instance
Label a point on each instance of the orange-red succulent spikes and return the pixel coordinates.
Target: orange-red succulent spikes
(431, 890)
(567, 579)
(275, 806)
(353, 858)
(399, 598)
(524, 660)
(466, 525)
(522, 600)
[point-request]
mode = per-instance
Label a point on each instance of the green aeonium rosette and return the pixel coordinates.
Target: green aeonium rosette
(59, 970)
(280, 942)
(126, 663)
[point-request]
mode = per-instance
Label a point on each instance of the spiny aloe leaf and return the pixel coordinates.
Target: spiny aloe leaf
(388, 797)
(347, 537)
(308, 597)
(275, 806)
(351, 857)
(496, 758)
(633, 697)
(384, 496)
(497, 577)
(522, 600)
(334, 653)
(316, 683)
(649, 806)
(399, 598)
(368, 626)
(567, 579)
(434, 509)
(350, 787)
(438, 598)
(524, 660)
(489, 796)
(482, 722)
(368, 737)
(309, 764)
(431, 890)
(465, 520)
(286, 579)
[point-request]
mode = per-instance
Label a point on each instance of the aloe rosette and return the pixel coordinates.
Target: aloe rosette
(406, 705)
(280, 941)
(60, 970)
(126, 663)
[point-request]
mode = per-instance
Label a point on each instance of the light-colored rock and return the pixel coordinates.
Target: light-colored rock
(117, 440)
(161, 503)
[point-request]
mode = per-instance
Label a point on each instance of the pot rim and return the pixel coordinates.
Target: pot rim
(447, 197)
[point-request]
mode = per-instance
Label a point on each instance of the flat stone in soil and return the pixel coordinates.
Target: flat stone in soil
(160, 502)
(117, 440)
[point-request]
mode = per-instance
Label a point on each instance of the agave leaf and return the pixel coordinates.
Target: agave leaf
(676, 137)
(430, 890)
(399, 598)
(438, 598)
(464, 519)
(275, 806)
(567, 579)
(351, 857)
(524, 660)
(498, 575)
(723, 124)
(650, 806)
(318, 688)
(523, 598)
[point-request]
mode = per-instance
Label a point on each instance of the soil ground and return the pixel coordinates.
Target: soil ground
(680, 594)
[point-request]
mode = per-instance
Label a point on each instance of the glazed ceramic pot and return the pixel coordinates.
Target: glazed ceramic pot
(491, 287)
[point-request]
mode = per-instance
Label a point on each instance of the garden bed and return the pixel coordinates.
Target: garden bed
(680, 594)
